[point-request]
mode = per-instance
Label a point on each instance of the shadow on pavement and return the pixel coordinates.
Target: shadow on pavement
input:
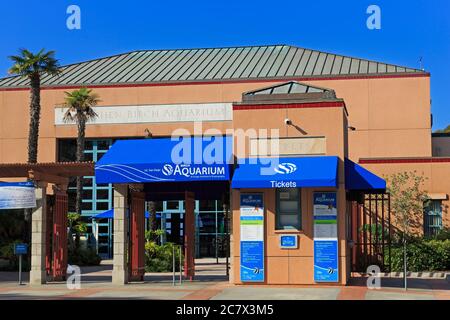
(207, 270)
(397, 283)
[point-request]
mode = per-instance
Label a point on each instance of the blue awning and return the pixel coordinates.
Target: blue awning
(109, 214)
(289, 173)
(166, 160)
(359, 178)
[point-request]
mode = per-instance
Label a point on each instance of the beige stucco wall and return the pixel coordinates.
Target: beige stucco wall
(391, 115)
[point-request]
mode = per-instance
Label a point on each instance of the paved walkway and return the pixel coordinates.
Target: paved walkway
(211, 283)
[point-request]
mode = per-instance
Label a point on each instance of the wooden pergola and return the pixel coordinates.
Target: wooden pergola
(49, 217)
(57, 173)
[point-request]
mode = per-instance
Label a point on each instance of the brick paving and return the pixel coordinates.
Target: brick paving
(211, 283)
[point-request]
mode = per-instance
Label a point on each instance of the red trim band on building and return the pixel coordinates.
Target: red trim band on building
(184, 83)
(403, 160)
(289, 105)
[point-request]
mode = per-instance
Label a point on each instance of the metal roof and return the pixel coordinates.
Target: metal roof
(213, 64)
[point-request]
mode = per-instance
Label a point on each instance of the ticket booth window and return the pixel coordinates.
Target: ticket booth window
(288, 214)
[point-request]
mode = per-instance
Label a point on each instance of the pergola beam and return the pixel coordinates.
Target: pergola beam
(47, 177)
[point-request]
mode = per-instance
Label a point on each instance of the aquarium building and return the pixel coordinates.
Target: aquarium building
(342, 125)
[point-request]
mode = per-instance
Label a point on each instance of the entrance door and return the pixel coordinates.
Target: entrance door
(172, 222)
(210, 229)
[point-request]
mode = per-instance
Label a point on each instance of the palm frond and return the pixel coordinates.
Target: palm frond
(27, 64)
(80, 104)
(68, 116)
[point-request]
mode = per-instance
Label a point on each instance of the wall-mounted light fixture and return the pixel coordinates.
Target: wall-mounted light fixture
(148, 134)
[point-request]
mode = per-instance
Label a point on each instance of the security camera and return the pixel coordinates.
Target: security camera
(288, 121)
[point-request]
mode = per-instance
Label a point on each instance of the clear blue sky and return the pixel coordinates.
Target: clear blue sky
(410, 29)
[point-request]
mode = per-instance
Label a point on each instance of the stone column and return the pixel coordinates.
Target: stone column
(38, 274)
(120, 259)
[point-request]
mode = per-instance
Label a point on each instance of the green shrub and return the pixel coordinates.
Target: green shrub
(159, 258)
(422, 255)
(83, 257)
(444, 234)
(153, 235)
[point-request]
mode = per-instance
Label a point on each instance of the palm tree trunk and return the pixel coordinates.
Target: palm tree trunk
(35, 115)
(80, 157)
(33, 138)
(152, 215)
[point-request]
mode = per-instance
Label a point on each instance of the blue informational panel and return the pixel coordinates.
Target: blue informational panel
(326, 261)
(325, 237)
(252, 238)
(288, 242)
(252, 261)
(20, 248)
(17, 195)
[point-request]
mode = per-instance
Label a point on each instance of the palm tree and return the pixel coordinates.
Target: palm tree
(80, 104)
(33, 67)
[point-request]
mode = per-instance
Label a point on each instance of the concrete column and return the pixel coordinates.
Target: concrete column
(38, 275)
(120, 259)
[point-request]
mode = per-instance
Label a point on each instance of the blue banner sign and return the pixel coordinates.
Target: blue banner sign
(252, 238)
(288, 242)
(17, 195)
(20, 248)
(326, 261)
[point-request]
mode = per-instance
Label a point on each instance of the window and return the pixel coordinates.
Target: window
(288, 209)
(432, 223)
(207, 205)
(67, 150)
(173, 205)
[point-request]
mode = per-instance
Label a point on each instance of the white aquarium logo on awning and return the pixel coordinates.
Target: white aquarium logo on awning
(285, 168)
(167, 170)
(187, 170)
